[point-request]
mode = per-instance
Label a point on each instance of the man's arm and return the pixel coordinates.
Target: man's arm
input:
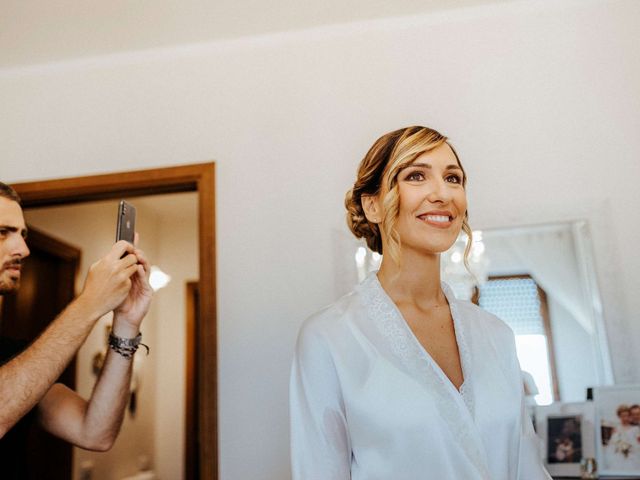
(95, 424)
(29, 376)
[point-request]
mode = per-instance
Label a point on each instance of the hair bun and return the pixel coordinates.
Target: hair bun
(358, 223)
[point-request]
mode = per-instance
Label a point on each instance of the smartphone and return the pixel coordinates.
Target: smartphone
(126, 226)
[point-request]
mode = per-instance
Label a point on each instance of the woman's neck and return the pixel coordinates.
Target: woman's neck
(416, 280)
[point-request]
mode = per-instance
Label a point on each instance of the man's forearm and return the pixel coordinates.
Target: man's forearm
(110, 397)
(27, 378)
(105, 410)
(92, 424)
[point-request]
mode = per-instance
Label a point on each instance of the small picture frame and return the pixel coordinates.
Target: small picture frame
(567, 433)
(617, 414)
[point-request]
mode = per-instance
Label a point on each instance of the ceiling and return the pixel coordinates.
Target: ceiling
(44, 31)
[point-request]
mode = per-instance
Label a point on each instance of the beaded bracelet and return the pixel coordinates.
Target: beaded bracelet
(126, 346)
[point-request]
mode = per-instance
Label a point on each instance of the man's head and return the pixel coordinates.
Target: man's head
(635, 414)
(13, 232)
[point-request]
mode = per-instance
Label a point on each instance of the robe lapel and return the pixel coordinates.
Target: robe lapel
(420, 366)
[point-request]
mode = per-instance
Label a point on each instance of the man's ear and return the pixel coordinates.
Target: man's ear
(372, 208)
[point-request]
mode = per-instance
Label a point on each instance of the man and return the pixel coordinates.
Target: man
(118, 283)
(635, 415)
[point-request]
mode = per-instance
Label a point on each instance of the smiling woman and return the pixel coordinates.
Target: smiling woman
(387, 382)
(380, 181)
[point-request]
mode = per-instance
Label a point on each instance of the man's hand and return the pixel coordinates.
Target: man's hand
(95, 424)
(129, 314)
(109, 279)
(117, 281)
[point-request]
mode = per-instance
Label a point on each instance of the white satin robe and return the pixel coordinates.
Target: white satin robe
(367, 402)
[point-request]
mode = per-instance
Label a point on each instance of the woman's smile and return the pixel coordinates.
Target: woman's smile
(438, 219)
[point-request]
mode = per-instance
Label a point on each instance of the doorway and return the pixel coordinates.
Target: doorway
(198, 178)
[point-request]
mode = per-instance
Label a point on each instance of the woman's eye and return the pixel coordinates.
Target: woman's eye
(415, 176)
(454, 179)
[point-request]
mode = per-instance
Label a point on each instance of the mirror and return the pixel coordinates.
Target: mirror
(558, 259)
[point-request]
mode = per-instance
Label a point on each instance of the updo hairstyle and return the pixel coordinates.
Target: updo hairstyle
(377, 174)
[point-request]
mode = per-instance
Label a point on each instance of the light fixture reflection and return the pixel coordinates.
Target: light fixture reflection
(366, 262)
(158, 279)
(454, 270)
(361, 254)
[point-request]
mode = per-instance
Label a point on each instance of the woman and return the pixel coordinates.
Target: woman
(398, 380)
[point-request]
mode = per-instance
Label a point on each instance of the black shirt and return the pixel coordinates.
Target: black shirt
(13, 464)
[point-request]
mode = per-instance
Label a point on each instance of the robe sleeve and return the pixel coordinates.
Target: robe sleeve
(320, 447)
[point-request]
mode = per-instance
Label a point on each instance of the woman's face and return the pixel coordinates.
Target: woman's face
(625, 417)
(433, 201)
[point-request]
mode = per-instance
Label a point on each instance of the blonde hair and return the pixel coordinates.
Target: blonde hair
(377, 174)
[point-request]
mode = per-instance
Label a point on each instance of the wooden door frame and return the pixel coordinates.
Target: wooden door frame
(191, 464)
(198, 178)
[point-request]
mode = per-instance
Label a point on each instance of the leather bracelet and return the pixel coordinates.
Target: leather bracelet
(126, 347)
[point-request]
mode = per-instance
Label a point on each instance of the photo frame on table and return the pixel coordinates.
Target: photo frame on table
(568, 436)
(617, 415)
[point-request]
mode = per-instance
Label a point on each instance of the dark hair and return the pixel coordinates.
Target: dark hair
(9, 193)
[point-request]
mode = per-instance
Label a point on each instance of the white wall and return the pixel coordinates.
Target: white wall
(540, 98)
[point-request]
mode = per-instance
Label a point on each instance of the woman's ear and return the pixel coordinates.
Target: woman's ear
(372, 208)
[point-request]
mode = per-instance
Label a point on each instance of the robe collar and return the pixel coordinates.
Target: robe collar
(454, 407)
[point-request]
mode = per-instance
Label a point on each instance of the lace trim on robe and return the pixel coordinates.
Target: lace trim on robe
(465, 355)
(390, 323)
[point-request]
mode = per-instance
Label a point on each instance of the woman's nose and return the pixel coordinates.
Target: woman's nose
(439, 192)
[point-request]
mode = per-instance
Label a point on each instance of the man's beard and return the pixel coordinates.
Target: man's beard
(7, 288)
(9, 284)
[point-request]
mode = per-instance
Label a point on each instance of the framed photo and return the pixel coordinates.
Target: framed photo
(568, 435)
(617, 411)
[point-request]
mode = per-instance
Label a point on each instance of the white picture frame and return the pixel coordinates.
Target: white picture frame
(617, 432)
(567, 431)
